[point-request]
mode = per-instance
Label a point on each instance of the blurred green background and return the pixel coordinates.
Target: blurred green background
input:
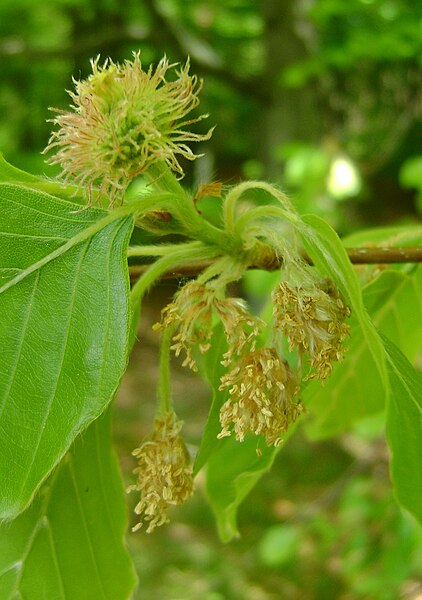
(324, 98)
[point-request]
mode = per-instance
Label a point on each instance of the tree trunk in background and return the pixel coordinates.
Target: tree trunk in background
(292, 114)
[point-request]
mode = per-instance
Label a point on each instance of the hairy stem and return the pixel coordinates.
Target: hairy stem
(184, 211)
(164, 388)
(357, 256)
(164, 249)
(285, 211)
(169, 263)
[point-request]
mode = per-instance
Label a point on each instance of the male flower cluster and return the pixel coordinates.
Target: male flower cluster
(164, 472)
(192, 314)
(311, 313)
(262, 387)
(123, 120)
(262, 390)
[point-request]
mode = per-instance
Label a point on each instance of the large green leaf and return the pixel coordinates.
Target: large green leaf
(404, 430)
(68, 545)
(354, 389)
(232, 471)
(64, 322)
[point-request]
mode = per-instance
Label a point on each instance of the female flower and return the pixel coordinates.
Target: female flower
(125, 119)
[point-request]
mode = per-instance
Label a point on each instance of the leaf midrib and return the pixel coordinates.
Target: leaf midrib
(408, 389)
(78, 238)
(86, 528)
(35, 530)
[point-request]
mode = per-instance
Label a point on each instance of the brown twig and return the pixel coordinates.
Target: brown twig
(357, 256)
(384, 254)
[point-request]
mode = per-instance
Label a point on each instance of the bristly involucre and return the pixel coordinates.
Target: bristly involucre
(123, 120)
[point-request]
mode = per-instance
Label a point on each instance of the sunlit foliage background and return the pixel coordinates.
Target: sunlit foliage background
(324, 98)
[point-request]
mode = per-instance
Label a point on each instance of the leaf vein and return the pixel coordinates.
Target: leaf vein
(86, 528)
(53, 392)
(76, 239)
(55, 557)
(22, 337)
(31, 237)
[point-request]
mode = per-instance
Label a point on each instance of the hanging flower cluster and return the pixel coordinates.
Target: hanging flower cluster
(263, 389)
(311, 314)
(164, 472)
(262, 397)
(192, 315)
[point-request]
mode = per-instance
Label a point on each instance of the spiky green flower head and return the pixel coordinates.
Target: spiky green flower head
(122, 121)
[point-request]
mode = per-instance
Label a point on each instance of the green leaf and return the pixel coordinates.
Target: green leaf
(11, 174)
(394, 302)
(329, 256)
(232, 471)
(64, 306)
(394, 235)
(404, 430)
(69, 544)
(354, 389)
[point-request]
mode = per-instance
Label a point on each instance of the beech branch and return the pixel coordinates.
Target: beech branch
(358, 256)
